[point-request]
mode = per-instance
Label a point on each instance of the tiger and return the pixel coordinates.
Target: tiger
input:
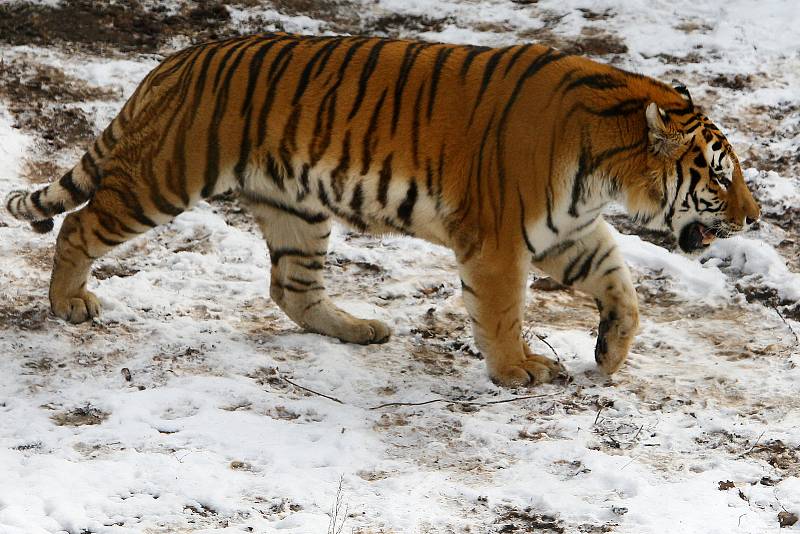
(507, 156)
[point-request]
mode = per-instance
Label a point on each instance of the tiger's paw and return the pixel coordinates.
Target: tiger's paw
(532, 370)
(614, 338)
(365, 332)
(76, 309)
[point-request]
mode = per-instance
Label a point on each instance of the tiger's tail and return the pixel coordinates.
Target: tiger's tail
(74, 188)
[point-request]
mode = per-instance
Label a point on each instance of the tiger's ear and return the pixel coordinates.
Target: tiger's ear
(663, 134)
(684, 92)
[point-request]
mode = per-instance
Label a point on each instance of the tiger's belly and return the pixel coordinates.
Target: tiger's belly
(373, 203)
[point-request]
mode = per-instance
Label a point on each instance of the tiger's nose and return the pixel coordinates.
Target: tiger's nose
(748, 221)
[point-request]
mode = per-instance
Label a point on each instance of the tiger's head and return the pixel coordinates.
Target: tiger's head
(697, 176)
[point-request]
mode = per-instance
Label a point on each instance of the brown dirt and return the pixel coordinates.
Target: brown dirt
(340, 15)
(27, 318)
(83, 415)
(526, 520)
(398, 25)
(126, 25)
(591, 42)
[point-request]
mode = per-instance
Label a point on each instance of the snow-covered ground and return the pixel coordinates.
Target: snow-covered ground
(195, 405)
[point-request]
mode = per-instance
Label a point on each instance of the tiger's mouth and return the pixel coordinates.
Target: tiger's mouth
(695, 236)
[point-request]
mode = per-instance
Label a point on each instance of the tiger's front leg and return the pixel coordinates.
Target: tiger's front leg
(594, 265)
(493, 288)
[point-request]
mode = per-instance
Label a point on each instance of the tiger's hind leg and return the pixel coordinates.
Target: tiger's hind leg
(298, 243)
(114, 215)
(594, 265)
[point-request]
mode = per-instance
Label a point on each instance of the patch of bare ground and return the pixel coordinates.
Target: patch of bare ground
(590, 14)
(109, 270)
(592, 41)
(38, 258)
(442, 339)
(773, 128)
(339, 15)
(125, 25)
(784, 459)
(80, 416)
(669, 59)
(44, 100)
(17, 316)
(228, 206)
(693, 26)
(398, 25)
(565, 307)
(520, 520)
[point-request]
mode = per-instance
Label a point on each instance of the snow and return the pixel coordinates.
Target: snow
(13, 144)
(217, 431)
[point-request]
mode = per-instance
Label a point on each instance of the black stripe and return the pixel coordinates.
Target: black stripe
(321, 138)
(488, 72)
(311, 265)
(585, 167)
(548, 192)
(384, 178)
(276, 70)
(524, 230)
(369, 137)
(36, 200)
(224, 61)
(474, 51)
(409, 58)
(428, 177)
(339, 174)
(131, 202)
(294, 289)
(305, 76)
(106, 241)
(308, 217)
(415, 124)
(700, 160)
(406, 208)
(357, 199)
(254, 70)
(584, 270)
(90, 167)
(441, 58)
(605, 256)
(304, 183)
(600, 82)
(220, 106)
(465, 288)
(366, 74)
(288, 144)
(302, 281)
(276, 255)
(75, 193)
(275, 172)
(511, 62)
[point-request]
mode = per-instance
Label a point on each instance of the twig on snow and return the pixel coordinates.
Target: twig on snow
(309, 390)
(463, 403)
(796, 339)
(336, 513)
(753, 447)
(543, 339)
(423, 403)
